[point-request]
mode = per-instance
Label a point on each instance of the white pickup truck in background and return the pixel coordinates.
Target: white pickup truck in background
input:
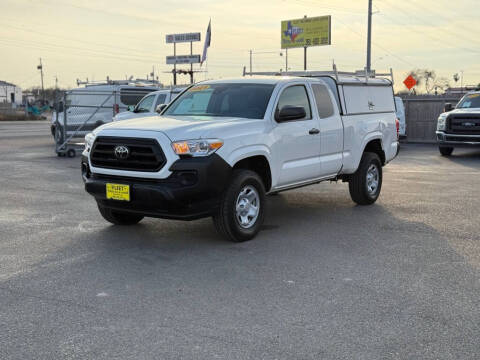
(221, 146)
(149, 105)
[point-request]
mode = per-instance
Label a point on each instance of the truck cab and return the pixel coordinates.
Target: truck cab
(149, 105)
(221, 146)
(459, 126)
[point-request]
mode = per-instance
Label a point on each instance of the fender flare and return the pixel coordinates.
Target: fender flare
(249, 151)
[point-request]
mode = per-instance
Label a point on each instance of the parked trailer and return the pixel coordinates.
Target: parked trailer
(84, 109)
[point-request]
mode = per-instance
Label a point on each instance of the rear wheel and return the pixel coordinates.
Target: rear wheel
(445, 150)
(241, 211)
(119, 217)
(366, 183)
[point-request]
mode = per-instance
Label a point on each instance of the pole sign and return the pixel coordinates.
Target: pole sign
(314, 31)
(410, 82)
(179, 38)
(183, 59)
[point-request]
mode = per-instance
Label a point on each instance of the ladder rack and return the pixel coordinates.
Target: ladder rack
(363, 75)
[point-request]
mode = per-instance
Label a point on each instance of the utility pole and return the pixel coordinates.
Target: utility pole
(305, 54)
(175, 65)
(40, 67)
(191, 65)
(369, 37)
(250, 62)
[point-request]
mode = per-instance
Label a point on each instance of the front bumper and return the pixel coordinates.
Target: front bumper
(457, 140)
(192, 191)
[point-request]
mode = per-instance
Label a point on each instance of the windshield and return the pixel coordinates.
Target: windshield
(226, 100)
(469, 101)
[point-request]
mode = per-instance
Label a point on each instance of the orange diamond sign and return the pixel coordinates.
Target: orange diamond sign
(410, 82)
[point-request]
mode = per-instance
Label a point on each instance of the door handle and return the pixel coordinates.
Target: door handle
(314, 131)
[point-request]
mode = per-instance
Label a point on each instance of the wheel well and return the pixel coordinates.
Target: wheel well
(375, 146)
(260, 165)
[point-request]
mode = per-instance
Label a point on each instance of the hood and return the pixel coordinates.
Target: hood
(126, 115)
(180, 127)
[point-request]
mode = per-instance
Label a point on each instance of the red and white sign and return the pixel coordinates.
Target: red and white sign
(410, 82)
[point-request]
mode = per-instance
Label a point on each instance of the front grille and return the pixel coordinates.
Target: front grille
(144, 154)
(466, 124)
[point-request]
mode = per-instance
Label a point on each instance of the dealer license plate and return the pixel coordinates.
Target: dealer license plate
(118, 192)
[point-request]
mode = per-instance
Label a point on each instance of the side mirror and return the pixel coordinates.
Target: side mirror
(130, 108)
(160, 108)
(289, 112)
(448, 107)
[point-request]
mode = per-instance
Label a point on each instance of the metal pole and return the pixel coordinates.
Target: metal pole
(369, 36)
(41, 75)
(250, 62)
(461, 82)
(175, 64)
(305, 58)
(191, 65)
(286, 60)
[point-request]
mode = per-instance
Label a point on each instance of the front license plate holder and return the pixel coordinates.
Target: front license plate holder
(120, 192)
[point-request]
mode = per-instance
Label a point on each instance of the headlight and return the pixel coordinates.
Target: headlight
(89, 138)
(442, 122)
(200, 147)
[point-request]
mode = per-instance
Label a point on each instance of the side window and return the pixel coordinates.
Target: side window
(160, 100)
(322, 98)
(295, 95)
(146, 104)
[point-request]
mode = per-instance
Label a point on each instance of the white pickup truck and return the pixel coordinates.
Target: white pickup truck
(150, 105)
(221, 146)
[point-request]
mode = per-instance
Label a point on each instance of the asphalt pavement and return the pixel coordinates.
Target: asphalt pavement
(324, 279)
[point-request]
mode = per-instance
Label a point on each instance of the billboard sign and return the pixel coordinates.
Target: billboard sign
(314, 31)
(183, 59)
(179, 38)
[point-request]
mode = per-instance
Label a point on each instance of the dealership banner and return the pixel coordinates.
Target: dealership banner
(314, 31)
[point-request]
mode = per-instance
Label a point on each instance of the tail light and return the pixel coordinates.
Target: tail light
(116, 109)
(397, 124)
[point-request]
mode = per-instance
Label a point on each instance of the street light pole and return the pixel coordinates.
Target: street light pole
(40, 67)
(369, 36)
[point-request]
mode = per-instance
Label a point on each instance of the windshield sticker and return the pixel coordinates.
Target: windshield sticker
(473, 96)
(200, 88)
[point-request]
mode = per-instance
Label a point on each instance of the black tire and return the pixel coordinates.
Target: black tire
(71, 153)
(119, 217)
(244, 184)
(445, 151)
(358, 185)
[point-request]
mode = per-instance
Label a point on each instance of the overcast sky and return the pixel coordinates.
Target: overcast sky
(96, 38)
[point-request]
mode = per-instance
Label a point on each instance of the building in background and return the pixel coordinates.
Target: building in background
(10, 93)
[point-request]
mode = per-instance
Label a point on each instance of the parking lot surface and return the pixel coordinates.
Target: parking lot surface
(325, 279)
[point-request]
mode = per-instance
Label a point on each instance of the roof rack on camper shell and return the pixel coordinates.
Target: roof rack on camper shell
(108, 81)
(360, 75)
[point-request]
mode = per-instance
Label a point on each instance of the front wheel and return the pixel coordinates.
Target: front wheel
(445, 151)
(119, 217)
(241, 210)
(366, 182)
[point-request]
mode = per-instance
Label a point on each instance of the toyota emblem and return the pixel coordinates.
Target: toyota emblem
(121, 152)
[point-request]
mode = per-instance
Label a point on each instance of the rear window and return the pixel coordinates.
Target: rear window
(133, 96)
(322, 98)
